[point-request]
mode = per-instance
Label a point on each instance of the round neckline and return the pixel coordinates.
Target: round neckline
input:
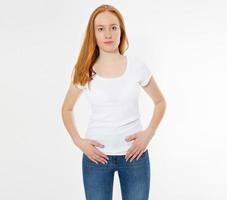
(115, 78)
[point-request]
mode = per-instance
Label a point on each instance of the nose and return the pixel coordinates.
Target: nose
(107, 34)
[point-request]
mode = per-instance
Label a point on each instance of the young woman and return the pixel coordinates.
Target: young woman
(111, 82)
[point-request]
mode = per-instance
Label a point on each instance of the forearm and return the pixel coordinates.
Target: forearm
(68, 121)
(158, 114)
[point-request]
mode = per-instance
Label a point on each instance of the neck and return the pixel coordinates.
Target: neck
(105, 57)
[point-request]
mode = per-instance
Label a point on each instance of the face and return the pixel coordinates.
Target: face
(107, 31)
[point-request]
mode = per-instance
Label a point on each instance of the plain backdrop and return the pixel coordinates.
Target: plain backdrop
(185, 45)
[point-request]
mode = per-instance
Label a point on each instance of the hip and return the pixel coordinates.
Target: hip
(119, 161)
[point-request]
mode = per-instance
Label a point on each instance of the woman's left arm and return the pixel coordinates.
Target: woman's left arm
(156, 95)
(143, 138)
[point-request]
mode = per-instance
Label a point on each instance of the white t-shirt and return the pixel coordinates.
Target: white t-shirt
(114, 106)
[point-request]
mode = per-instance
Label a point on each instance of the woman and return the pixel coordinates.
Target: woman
(111, 81)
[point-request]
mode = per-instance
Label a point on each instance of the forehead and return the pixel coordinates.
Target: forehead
(105, 19)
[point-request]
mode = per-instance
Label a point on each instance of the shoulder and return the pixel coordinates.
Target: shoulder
(82, 87)
(137, 63)
(141, 70)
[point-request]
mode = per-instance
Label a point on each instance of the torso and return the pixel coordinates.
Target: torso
(113, 96)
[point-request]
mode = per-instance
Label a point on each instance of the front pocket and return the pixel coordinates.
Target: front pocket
(143, 159)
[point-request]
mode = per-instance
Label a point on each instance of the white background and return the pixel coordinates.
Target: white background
(183, 42)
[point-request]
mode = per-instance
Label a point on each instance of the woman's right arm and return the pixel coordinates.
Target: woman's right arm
(88, 146)
(71, 97)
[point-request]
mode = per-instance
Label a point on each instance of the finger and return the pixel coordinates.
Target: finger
(131, 137)
(102, 160)
(139, 155)
(131, 153)
(92, 159)
(130, 150)
(101, 154)
(95, 143)
(99, 158)
(96, 158)
(134, 155)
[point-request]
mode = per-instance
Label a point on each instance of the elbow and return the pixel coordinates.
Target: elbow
(164, 105)
(161, 102)
(65, 109)
(164, 102)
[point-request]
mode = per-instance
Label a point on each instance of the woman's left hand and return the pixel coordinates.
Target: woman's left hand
(142, 139)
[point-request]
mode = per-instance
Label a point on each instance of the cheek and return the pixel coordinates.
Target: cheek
(117, 35)
(98, 39)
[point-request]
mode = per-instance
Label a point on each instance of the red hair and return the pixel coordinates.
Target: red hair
(82, 71)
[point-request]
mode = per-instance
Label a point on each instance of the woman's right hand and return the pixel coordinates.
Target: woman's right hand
(87, 146)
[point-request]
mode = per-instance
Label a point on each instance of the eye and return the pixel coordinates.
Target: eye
(100, 29)
(114, 27)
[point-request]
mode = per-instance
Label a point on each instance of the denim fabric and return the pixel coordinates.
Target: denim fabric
(134, 177)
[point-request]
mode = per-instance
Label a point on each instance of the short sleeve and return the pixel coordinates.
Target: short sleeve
(144, 74)
(81, 87)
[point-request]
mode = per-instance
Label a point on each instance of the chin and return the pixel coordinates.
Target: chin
(110, 49)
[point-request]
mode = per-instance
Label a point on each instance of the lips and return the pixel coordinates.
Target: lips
(108, 42)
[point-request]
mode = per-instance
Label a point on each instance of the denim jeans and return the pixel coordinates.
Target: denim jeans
(134, 177)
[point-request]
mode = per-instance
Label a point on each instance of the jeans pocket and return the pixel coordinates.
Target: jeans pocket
(88, 161)
(143, 159)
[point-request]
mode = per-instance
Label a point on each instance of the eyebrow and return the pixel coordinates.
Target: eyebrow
(106, 25)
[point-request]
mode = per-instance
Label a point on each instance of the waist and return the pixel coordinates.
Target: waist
(114, 127)
(113, 138)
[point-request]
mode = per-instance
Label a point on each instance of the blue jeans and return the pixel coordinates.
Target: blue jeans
(134, 177)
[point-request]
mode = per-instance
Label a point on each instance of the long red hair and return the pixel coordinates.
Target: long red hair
(82, 71)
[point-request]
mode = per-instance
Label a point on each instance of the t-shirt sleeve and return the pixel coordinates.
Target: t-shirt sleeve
(144, 74)
(81, 87)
